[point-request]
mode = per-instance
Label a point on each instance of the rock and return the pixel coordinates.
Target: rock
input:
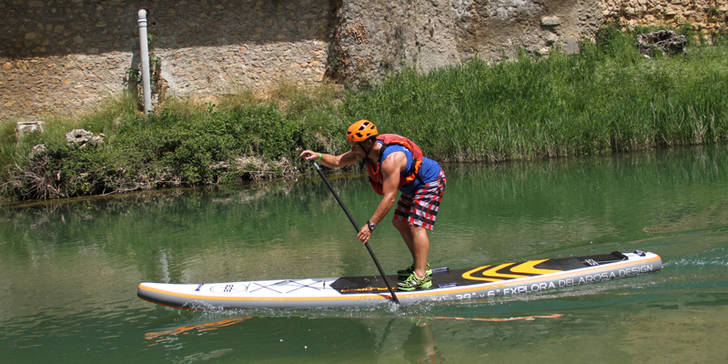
(81, 138)
(220, 165)
(77, 136)
(665, 41)
(37, 150)
(550, 21)
(551, 38)
(32, 36)
(27, 127)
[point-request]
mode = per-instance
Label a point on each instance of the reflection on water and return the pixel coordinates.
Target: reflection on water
(70, 270)
(420, 345)
(412, 334)
(165, 335)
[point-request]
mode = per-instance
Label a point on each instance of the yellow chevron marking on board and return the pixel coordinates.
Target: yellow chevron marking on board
(490, 273)
(469, 275)
(493, 272)
(529, 268)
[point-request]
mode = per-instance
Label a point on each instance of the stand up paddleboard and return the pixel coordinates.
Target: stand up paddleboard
(457, 284)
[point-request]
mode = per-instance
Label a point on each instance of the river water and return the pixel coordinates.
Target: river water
(69, 271)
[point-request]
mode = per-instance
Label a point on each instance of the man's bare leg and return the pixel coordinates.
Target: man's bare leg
(418, 243)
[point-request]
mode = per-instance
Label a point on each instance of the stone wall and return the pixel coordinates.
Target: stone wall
(378, 37)
(708, 16)
(67, 55)
(375, 38)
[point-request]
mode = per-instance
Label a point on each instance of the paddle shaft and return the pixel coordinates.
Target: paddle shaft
(356, 227)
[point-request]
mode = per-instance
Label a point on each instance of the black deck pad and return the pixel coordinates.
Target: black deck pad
(442, 278)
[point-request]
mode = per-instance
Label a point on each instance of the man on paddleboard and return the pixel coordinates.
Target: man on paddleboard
(396, 163)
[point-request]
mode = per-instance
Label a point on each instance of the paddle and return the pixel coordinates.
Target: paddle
(356, 227)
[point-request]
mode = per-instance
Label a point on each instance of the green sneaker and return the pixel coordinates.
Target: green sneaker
(404, 273)
(414, 282)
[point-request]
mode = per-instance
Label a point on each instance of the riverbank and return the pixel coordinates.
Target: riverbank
(607, 99)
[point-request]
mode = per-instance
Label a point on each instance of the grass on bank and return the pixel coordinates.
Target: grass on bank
(609, 98)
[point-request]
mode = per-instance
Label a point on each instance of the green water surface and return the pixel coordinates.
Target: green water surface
(69, 271)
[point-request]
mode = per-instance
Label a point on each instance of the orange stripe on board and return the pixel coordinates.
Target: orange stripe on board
(365, 290)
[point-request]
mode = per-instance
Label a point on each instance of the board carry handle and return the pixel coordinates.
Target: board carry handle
(356, 227)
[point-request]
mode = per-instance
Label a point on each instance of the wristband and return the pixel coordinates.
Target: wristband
(321, 155)
(371, 226)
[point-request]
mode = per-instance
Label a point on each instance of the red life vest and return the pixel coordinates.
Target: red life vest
(374, 170)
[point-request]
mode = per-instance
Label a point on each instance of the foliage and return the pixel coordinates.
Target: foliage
(606, 99)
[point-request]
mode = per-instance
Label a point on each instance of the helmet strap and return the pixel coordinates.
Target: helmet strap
(366, 152)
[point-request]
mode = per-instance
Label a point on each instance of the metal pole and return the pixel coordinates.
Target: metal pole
(144, 54)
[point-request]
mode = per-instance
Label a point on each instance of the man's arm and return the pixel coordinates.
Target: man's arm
(391, 168)
(334, 161)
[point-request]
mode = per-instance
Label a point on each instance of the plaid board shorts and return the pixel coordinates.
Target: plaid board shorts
(421, 208)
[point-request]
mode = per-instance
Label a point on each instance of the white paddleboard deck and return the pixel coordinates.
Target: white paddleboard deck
(461, 284)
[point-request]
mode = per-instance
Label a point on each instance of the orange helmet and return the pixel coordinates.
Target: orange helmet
(361, 131)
